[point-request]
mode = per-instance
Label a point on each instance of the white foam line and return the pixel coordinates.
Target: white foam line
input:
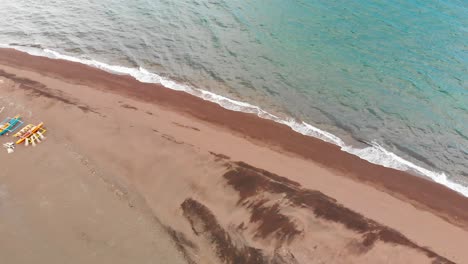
(380, 156)
(375, 154)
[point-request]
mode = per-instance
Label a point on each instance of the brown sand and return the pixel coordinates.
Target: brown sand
(171, 159)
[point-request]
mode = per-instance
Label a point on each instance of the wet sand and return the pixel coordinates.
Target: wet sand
(185, 165)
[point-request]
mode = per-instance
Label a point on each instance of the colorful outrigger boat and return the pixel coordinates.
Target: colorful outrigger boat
(30, 134)
(9, 125)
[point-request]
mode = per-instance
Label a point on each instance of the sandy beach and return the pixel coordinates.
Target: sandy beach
(137, 173)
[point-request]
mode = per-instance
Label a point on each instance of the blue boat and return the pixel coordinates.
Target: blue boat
(10, 124)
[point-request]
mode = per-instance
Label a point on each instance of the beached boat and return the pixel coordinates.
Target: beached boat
(24, 130)
(30, 131)
(10, 125)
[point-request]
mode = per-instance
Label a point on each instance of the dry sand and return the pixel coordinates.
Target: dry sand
(134, 173)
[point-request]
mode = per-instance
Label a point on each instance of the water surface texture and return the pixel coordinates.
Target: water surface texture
(387, 77)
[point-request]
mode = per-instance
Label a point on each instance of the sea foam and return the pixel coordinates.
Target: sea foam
(375, 153)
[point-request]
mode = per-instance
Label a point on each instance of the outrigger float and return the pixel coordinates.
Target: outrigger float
(9, 125)
(31, 134)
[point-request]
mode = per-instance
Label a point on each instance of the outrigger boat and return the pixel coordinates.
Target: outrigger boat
(31, 134)
(9, 125)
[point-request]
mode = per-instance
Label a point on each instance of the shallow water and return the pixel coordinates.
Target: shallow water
(391, 74)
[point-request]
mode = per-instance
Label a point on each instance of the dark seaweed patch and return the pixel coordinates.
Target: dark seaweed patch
(205, 224)
(250, 182)
(182, 243)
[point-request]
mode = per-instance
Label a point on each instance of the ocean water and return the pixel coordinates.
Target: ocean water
(384, 80)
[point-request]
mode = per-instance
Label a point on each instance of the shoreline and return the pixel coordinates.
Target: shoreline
(373, 153)
(213, 193)
(420, 191)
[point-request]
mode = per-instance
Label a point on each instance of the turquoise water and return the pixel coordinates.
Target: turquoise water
(387, 77)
